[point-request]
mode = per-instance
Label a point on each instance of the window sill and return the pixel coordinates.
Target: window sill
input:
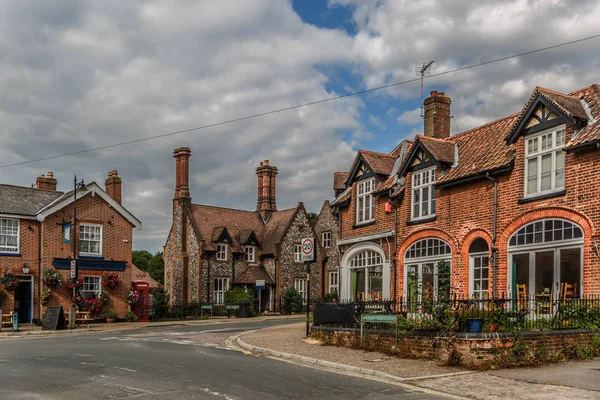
(2, 254)
(421, 221)
(542, 197)
(362, 224)
(91, 256)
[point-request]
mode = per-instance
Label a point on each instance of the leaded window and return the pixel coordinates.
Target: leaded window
(428, 248)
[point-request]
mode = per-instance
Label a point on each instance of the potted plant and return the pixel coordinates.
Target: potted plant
(473, 316)
(9, 281)
(110, 280)
(130, 316)
(110, 316)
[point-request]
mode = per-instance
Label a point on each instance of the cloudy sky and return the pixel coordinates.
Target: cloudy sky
(79, 74)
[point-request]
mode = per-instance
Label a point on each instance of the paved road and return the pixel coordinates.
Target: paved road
(180, 362)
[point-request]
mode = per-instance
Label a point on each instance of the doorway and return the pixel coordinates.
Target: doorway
(23, 299)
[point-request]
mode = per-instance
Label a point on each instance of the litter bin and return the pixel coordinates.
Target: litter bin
(244, 310)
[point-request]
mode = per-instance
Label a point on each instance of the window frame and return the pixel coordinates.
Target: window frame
(219, 294)
(221, 251)
(303, 285)
(326, 242)
(472, 279)
(297, 253)
(87, 253)
(430, 186)
(554, 150)
(335, 286)
(18, 247)
(250, 256)
(96, 293)
(361, 210)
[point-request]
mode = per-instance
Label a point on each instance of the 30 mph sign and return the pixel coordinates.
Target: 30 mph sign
(308, 249)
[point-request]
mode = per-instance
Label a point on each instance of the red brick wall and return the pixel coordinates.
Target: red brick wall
(465, 212)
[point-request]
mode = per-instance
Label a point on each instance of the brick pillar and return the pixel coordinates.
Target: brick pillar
(266, 201)
(259, 195)
(113, 185)
(47, 182)
(437, 115)
(182, 188)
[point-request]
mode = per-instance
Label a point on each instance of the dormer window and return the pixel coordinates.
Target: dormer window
(365, 209)
(249, 253)
(423, 194)
(545, 162)
(221, 251)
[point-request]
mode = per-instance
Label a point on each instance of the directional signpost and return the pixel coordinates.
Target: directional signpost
(73, 269)
(308, 256)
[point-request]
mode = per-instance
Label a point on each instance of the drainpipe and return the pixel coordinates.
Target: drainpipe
(394, 265)
(494, 249)
(39, 303)
(208, 278)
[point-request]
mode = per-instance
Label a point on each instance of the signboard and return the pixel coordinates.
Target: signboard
(67, 233)
(54, 319)
(308, 249)
(260, 284)
(73, 269)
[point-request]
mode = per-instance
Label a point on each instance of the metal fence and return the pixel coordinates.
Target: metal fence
(194, 311)
(494, 314)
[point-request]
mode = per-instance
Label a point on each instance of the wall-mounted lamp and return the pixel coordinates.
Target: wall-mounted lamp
(26, 269)
(596, 248)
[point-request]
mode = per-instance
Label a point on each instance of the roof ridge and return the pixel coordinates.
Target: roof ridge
(594, 86)
(486, 124)
(223, 208)
(436, 139)
(31, 188)
(375, 152)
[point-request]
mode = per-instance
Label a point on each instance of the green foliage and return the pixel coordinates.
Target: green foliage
(160, 301)
(140, 259)
(331, 297)
(292, 301)
(236, 295)
(312, 219)
(580, 315)
(110, 315)
(130, 316)
(152, 264)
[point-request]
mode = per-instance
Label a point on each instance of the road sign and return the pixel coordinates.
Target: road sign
(73, 269)
(260, 284)
(308, 249)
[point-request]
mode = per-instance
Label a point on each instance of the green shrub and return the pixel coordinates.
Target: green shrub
(330, 297)
(130, 316)
(292, 301)
(111, 315)
(236, 295)
(160, 303)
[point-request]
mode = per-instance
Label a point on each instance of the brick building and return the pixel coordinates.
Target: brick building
(33, 222)
(211, 248)
(512, 203)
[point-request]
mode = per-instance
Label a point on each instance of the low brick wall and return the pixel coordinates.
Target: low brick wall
(484, 350)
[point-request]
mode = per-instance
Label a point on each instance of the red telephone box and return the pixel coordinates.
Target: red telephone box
(140, 309)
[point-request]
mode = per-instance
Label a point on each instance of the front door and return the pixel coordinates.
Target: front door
(23, 299)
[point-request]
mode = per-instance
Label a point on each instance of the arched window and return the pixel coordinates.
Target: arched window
(422, 261)
(367, 271)
(546, 259)
(479, 272)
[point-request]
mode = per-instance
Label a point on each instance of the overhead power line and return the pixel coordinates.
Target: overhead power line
(312, 103)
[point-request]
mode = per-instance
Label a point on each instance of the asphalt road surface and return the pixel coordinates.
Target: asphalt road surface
(179, 362)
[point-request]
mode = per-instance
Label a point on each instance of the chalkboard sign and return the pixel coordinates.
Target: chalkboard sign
(54, 319)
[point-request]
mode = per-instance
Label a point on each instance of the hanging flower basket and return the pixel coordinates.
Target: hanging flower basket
(9, 281)
(133, 297)
(52, 278)
(110, 280)
(94, 306)
(46, 296)
(75, 283)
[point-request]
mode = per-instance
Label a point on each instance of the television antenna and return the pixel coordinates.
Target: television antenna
(423, 69)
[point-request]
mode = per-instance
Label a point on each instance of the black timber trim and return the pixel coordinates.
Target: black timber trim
(224, 237)
(539, 99)
(362, 225)
(418, 146)
(542, 197)
(252, 240)
(361, 160)
(583, 146)
(367, 175)
(424, 165)
(475, 177)
(421, 221)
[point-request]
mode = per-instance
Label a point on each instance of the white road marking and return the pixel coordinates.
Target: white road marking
(217, 394)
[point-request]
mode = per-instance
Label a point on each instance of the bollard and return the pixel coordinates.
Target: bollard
(72, 317)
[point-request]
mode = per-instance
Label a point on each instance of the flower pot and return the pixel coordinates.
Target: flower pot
(492, 327)
(474, 325)
(110, 320)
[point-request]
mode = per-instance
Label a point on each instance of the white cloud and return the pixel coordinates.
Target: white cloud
(411, 117)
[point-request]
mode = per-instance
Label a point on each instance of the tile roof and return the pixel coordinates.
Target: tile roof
(240, 223)
(24, 200)
(398, 192)
(252, 273)
(380, 163)
(441, 149)
(590, 133)
(339, 180)
(139, 275)
(341, 199)
(386, 184)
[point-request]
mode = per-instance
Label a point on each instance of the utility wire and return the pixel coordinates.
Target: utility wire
(312, 103)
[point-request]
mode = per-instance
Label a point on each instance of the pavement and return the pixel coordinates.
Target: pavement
(559, 381)
(183, 361)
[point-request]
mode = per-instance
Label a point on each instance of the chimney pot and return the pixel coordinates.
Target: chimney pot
(44, 182)
(441, 94)
(261, 163)
(266, 162)
(433, 93)
(113, 185)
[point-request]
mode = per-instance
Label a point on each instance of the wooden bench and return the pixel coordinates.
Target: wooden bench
(81, 318)
(6, 321)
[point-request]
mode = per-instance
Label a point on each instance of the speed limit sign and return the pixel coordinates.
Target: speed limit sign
(308, 249)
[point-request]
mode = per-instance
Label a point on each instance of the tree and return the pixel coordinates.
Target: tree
(140, 259)
(156, 267)
(312, 219)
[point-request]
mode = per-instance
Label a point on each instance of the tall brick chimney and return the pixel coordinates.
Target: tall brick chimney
(113, 185)
(46, 182)
(182, 187)
(437, 115)
(266, 202)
